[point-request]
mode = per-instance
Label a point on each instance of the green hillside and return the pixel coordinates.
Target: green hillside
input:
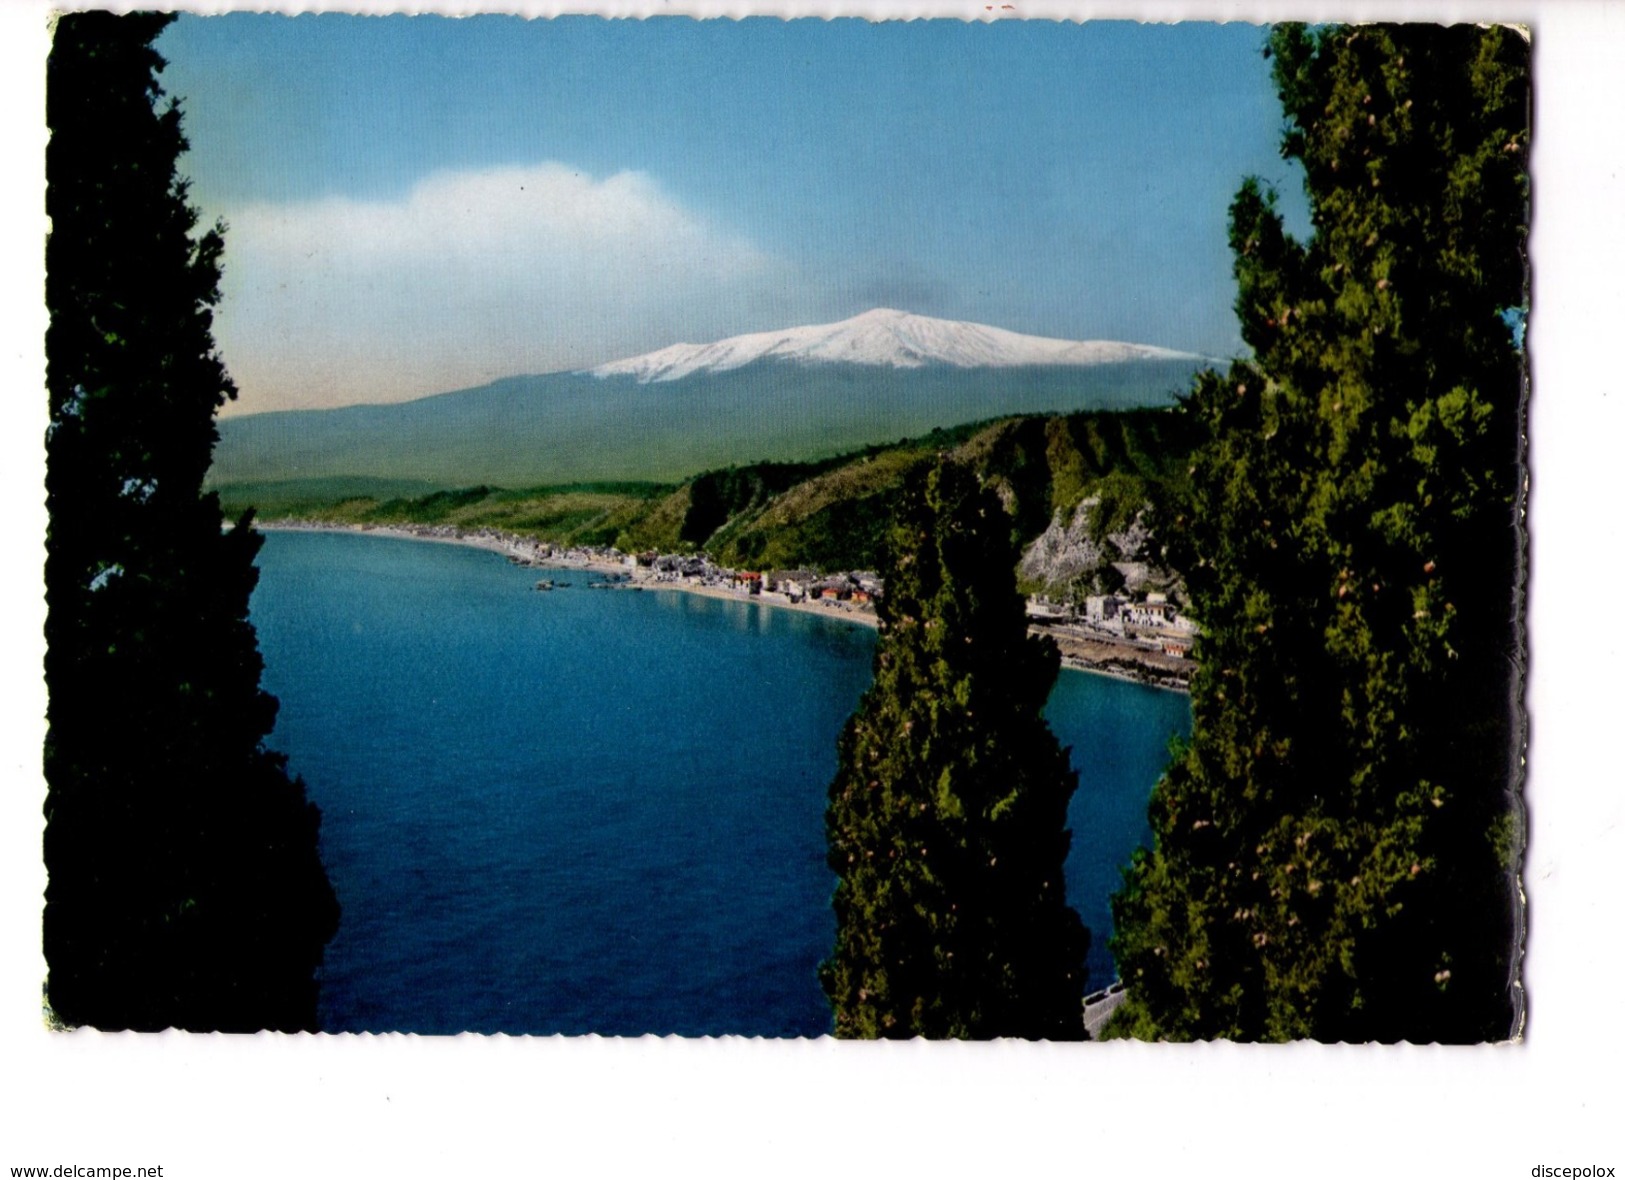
(827, 514)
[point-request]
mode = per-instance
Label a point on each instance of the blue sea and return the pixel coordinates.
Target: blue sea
(590, 811)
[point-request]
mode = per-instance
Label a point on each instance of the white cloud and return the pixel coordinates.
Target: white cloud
(469, 277)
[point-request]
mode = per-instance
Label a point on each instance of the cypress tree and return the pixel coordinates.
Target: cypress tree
(947, 816)
(184, 886)
(1335, 850)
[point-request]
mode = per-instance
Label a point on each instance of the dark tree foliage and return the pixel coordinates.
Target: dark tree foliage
(717, 496)
(185, 888)
(1335, 850)
(947, 817)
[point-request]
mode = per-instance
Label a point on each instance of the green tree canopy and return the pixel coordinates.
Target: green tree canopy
(947, 817)
(1335, 850)
(184, 884)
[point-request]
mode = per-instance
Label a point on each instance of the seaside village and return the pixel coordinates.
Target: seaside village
(1136, 631)
(1150, 619)
(856, 590)
(1140, 633)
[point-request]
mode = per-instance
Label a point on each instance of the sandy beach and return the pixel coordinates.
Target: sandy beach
(1125, 661)
(839, 611)
(506, 544)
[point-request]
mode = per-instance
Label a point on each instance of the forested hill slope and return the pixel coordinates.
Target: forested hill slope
(826, 514)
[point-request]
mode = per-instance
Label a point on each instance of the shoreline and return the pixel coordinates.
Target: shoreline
(1120, 662)
(1125, 661)
(839, 614)
(1118, 672)
(512, 546)
(507, 544)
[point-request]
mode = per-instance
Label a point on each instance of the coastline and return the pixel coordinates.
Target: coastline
(839, 612)
(492, 541)
(1125, 661)
(522, 550)
(1127, 671)
(1097, 656)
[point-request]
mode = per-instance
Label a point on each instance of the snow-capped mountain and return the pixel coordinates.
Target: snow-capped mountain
(886, 338)
(787, 396)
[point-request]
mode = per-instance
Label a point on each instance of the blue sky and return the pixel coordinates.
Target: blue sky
(421, 204)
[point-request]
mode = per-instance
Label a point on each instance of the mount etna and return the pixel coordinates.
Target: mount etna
(797, 394)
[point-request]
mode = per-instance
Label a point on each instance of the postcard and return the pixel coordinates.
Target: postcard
(806, 530)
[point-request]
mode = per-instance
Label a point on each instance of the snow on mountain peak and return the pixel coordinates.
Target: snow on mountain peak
(883, 337)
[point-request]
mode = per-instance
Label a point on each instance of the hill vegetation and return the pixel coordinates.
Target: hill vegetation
(829, 514)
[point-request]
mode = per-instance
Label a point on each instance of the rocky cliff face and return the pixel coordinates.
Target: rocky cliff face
(1066, 562)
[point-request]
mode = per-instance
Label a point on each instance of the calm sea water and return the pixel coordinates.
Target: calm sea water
(600, 812)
